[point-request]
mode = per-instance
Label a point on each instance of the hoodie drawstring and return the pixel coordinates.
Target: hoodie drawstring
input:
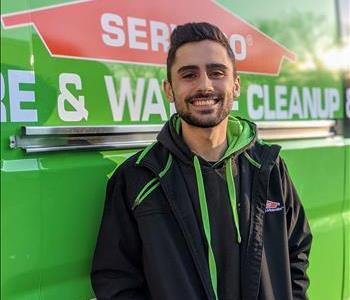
(205, 215)
(232, 194)
(206, 223)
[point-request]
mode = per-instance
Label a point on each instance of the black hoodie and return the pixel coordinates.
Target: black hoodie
(224, 238)
(160, 237)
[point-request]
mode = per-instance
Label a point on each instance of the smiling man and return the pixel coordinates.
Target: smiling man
(207, 211)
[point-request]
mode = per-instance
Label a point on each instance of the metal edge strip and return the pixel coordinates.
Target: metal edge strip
(111, 146)
(295, 124)
(124, 129)
(44, 139)
(83, 130)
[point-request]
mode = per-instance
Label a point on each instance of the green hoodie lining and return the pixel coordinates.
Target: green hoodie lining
(252, 160)
(145, 191)
(152, 184)
(263, 142)
(232, 194)
(206, 223)
(239, 135)
(205, 214)
(144, 152)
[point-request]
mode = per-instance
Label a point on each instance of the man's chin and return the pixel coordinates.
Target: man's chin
(202, 122)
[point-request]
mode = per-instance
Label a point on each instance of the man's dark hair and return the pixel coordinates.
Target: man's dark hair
(196, 32)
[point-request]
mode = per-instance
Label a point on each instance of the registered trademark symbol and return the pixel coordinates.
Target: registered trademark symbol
(249, 40)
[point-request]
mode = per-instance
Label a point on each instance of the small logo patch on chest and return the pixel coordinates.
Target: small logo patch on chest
(272, 206)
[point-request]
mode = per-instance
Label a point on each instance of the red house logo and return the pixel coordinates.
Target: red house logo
(131, 31)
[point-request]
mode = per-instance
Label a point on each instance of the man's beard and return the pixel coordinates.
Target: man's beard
(203, 122)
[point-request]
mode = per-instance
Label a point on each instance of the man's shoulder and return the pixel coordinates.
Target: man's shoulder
(274, 163)
(143, 163)
(135, 173)
(263, 154)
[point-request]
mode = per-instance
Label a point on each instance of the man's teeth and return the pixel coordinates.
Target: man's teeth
(204, 102)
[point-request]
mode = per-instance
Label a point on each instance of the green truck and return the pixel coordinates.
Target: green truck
(81, 92)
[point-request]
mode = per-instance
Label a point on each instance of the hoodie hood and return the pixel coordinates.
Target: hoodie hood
(240, 134)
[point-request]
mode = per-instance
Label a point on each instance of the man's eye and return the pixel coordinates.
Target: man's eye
(216, 74)
(188, 75)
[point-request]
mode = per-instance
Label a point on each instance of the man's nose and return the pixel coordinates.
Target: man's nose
(205, 84)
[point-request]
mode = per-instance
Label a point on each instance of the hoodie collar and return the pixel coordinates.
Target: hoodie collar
(240, 134)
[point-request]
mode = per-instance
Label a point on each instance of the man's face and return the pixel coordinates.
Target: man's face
(203, 85)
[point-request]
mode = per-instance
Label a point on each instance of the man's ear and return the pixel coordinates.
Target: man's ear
(168, 90)
(236, 86)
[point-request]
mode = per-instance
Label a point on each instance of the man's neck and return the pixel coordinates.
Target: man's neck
(209, 143)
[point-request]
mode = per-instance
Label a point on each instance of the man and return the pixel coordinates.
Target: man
(207, 211)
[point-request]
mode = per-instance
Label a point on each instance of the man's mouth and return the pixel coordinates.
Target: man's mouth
(204, 101)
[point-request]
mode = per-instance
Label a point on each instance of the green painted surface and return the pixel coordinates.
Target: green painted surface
(318, 174)
(346, 219)
(51, 203)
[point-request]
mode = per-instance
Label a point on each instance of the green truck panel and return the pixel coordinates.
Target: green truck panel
(51, 202)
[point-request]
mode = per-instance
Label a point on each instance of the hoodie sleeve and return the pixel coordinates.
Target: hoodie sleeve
(116, 267)
(299, 237)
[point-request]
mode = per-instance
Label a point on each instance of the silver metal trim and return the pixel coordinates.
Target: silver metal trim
(288, 134)
(82, 130)
(60, 138)
(122, 129)
(295, 124)
(134, 145)
(287, 130)
(39, 143)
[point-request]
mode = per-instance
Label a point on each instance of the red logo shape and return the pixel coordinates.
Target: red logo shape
(271, 204)
(138, 31)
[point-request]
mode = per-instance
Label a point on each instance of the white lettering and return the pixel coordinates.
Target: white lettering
(239, 46)
(269, 114)
(2, 105)
(152, 108)
(172, 27)
(295, 104)
(347, 103)
(255, 91)
(310, 102)
(18, 96)
(235, 105)
(322, 111)
(333, 101)
(281, 101)
(116, 36)
(292, 102)
(134, 33)
(160, 36)
(172, 108)
(118, 106)
(78, 104)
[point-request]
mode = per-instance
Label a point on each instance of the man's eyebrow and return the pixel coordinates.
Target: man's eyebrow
(187, 68)
(217, 66)
(208, 66)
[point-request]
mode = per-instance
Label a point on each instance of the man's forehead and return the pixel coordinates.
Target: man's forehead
(201, 54)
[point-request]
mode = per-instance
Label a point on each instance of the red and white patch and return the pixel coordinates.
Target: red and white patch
(272, 206)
